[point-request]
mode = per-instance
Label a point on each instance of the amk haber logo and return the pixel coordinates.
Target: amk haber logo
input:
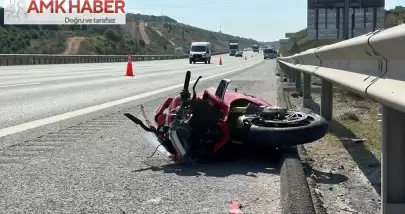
(64, 12)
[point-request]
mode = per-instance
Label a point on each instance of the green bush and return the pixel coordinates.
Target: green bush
(112, 35)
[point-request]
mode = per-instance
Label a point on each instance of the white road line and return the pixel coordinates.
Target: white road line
(22, 84)
(68, 115)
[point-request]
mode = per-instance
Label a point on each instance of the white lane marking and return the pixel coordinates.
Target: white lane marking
(149, 73)
(68, 115)
(96, 72)
(22, 84)
(65, 71)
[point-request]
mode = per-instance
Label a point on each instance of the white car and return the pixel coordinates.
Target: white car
(239, 53)
(200, 52)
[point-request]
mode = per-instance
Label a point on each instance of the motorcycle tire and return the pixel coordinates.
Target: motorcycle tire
(287, 136)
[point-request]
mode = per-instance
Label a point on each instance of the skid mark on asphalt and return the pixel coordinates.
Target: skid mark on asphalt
(20, 153)
(21, 84)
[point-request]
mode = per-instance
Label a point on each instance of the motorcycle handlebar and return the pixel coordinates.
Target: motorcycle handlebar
(187, 81)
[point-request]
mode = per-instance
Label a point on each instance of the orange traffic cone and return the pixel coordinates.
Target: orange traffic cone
(130, 71)
(220, 60)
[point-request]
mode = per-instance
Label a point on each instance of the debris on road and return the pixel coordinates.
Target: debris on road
(353, 140)
(235, 208)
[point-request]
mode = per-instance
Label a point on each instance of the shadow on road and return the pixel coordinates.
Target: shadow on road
(360, 154)
(314, 106)
(364, 158)
(237, 160)
(329, 177)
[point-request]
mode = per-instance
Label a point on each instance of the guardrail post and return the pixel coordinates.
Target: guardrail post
(393, 161)
(290, 74)
(327, 100)
(307, 91)
(293, 75)
(298, 82)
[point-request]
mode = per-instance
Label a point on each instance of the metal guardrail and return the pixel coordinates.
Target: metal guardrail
(40, 59)
(372, 65)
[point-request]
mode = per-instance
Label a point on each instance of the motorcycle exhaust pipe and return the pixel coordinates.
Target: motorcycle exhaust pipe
(149, 135)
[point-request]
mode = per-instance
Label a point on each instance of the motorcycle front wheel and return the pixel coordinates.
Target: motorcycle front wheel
(303, 129)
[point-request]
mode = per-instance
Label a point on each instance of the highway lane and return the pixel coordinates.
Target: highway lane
(101, 166)
(29, 93)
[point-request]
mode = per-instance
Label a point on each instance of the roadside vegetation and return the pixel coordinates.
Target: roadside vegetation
(355, 117)
(109, 39)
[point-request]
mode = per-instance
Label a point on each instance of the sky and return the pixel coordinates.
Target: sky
(263, 20)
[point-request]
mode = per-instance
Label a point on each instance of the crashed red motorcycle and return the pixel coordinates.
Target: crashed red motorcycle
(193, 128)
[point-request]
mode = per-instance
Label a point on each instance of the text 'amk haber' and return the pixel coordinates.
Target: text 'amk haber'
(77, 6)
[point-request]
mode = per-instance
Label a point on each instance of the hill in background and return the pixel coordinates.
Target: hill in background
(142, 34)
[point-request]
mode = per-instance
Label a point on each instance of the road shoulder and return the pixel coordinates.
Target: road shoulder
(296, 194)
(344, 175)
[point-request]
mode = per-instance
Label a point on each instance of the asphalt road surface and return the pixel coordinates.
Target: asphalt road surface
(30, 93)
(101, 165)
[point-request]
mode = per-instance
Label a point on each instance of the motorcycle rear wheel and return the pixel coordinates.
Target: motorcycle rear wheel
(314, 128)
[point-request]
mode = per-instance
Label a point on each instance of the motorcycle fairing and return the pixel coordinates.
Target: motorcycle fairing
(176, 140)
(228, 99)
(226, 137)
(221, 89)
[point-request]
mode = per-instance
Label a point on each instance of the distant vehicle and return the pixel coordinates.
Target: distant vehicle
(255, 48)
(239, 53)
(233, 47)
(269, 53)
(200, 52)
